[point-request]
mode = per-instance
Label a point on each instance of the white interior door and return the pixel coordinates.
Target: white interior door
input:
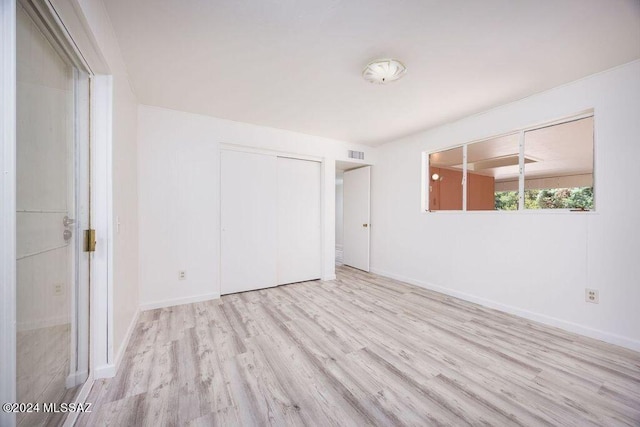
(248, 218)
(356, 211)
(299, 225)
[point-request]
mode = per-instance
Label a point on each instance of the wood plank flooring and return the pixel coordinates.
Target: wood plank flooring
(42, 361)
(361, 350)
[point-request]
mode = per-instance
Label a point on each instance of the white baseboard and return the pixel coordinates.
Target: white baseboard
(177, 301)
(541, 318)
(109, 370)
(105, 371)
(329, 277)
(43, 323)
(127, 337)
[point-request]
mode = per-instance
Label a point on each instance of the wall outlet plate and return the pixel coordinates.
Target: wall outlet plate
(592, 296)
(182, 275)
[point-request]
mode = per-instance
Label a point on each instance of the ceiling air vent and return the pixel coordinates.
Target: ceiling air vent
(356, 155)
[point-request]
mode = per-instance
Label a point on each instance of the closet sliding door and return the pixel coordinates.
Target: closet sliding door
(248, 218)
(270, 221)
(299, 225)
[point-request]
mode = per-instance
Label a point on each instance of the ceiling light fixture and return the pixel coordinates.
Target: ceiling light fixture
(382, 71)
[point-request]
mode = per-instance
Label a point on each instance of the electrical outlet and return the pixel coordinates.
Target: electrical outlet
(182, 275)
(57, 289)
(592, 296)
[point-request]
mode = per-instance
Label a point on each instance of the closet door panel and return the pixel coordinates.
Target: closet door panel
(299, 220)
(248, 221)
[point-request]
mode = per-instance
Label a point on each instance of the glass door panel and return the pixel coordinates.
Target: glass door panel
(52, 195)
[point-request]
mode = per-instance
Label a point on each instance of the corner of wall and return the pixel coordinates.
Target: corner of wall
(109, 370)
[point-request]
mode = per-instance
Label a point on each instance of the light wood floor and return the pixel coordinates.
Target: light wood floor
(361, 350)
(42, 361)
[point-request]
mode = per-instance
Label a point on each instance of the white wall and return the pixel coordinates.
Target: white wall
(339, 204)
(125, 188)
(179, 189)
(125, 211)
(533, 264)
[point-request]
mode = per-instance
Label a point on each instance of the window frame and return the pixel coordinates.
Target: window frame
(426, 171)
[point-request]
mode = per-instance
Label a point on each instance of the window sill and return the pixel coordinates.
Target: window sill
(522, 212)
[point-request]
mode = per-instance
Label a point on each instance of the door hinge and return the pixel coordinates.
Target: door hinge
(90, 240)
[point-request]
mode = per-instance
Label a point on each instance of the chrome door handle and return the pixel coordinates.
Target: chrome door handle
(68, 222)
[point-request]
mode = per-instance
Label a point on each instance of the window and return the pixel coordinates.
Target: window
(546, 167)
(489, 162)
(445, 176)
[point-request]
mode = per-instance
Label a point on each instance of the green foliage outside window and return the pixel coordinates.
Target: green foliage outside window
(550, 198)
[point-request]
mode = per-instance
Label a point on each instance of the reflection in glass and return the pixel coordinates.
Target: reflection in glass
(561, 175)
(557, 172)
(489, 163)
(51, 306)
(445, 180)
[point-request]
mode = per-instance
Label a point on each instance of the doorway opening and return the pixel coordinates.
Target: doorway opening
(339, 215)
(353, 194)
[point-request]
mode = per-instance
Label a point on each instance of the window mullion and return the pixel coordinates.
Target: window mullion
(521, 173)
(464, 177)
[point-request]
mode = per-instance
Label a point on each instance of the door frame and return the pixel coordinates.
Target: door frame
(8, 203)
(75, 32)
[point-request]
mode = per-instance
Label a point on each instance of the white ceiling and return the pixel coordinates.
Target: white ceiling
(296, 64)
